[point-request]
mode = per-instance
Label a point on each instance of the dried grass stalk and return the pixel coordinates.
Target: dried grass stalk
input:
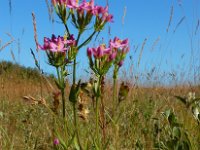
(171, 17)
(124, 15)
(7, 44)
(155, 43)
(179, 23)
(141, 51)
(35, 31)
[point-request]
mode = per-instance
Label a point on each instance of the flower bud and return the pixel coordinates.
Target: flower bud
(56, 141)
(113, 56)
(54, 2)
(120, 63)
(89, 52)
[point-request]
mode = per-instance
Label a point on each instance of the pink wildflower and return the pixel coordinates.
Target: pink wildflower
(56, 141)
(102, 14)
(121, 47)
(113, 55)
(101, 51)
(56, 44)
(73, 4)
(88, 6)
(89, 52)
(117, 43)
(71, 41)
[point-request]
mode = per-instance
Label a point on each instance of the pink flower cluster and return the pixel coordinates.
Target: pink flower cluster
(57, 44)
(122, 48)
(99, 52)
(89, 7)
(116, 47)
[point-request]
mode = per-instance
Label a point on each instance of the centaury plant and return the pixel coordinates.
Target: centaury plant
(62, 52)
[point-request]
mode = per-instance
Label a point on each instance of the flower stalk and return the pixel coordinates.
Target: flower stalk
(103, 120)
(115, 75)
(98, 98)
(61, 85)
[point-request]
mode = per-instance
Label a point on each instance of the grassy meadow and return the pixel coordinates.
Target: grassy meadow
(139, 121)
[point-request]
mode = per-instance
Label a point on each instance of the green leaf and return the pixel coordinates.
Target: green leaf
(182, 99)
(62, 142)
(186, 139)
(74, 20)
(64, 18)
(167, 113)
(183, 146)
(87, 88)
(106, 67)
(176, 132)
(74, 92)
(76, 144)
(70, 142)
(96, 145)
(171, 144)
(123, 92)
(195, 100)
(65, 73)
(173, 120)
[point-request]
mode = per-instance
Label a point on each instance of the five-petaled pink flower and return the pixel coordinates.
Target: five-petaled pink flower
(73, 4)
(121, 47)
(88, 6)
(57, 44)
(117, 43)
(102, 14)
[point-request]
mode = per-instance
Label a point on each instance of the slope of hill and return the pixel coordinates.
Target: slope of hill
(17, 81)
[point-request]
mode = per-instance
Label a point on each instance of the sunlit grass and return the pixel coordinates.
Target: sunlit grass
(26, 126)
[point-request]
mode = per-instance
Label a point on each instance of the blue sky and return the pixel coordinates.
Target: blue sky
(144, 19)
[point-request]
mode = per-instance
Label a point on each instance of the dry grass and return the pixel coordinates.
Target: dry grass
(16, 82)
(29, 127)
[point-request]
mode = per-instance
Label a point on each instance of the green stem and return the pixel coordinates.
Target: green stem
(65, 24)
(74, 71)
(63, 89)
(78, 38)
(63, 101)
(87, 40)
(98, 96)
(97, 119)
(115, 86)
(62, 77)
(114, 90)
(74, 104)
(66, 27)
(58, 74)
(74, 65)
(75, 124)
(61, 82)
(114, 94)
